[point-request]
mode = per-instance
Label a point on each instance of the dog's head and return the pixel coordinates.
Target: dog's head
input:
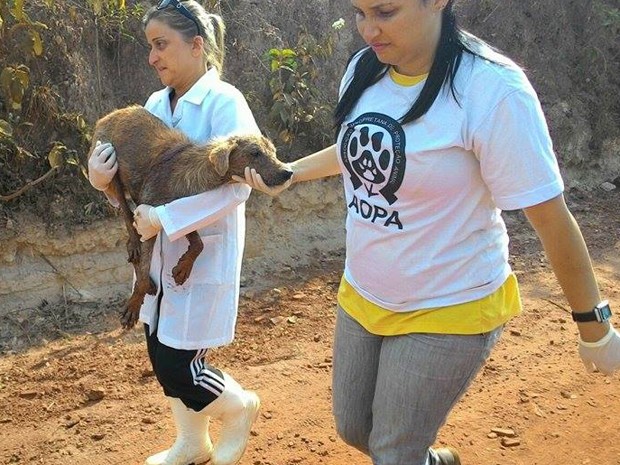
(230, 157)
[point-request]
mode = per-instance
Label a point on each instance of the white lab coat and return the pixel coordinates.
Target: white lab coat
(202, 312)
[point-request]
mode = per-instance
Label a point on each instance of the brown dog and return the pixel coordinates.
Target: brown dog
(157, 165)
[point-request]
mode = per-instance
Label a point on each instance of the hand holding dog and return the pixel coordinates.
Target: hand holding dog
(255, 181)
(102, 166)
(603, 354)
(146, 222)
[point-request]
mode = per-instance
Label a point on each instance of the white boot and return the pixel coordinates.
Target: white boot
(192, 445)
(237, 409)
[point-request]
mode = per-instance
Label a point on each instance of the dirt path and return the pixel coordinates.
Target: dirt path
(90, 398)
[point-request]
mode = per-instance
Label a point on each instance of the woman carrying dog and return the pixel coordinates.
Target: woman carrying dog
(182, 322)
(437, 133)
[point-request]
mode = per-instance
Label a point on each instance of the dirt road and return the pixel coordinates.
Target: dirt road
(75, 389)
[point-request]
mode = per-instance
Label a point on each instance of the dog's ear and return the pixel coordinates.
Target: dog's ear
(220, 154)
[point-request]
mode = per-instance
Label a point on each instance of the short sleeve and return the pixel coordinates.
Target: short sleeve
(232, 116)
(516, 154)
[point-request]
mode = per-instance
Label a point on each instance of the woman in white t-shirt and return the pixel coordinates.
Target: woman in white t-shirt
(437, 133)
(182, 322)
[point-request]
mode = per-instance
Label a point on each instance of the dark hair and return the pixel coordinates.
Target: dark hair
(453, 42)
(212, 29)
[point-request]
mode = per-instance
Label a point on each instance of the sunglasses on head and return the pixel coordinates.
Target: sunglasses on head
(178, 5)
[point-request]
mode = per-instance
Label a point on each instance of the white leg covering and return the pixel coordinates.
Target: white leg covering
(193, 444)
(237, 409)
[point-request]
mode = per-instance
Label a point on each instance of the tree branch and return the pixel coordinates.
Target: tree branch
(6, 198)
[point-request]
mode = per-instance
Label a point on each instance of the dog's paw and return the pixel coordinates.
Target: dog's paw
(181, 272)
(152, 289)
(129, 318)
(131, 312)
(133, 257)
(133, 251)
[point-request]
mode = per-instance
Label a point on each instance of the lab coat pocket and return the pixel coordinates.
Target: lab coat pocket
(209, 266)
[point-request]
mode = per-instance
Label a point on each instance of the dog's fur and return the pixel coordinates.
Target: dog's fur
(157, 165)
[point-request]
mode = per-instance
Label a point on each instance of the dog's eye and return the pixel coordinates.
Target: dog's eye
(256, 154)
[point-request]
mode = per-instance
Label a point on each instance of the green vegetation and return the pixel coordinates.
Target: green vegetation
(298, 107)
(29, 102)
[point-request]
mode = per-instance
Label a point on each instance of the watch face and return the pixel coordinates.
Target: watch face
(605, 313)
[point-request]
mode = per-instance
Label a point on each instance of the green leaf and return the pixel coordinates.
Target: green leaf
(286, 136)
(16, 94)
(22, 74)
(6, 130)
(37, 43)
(17, 10)
(55, 157)
(97, 6)
(287, 52)
(73, 160)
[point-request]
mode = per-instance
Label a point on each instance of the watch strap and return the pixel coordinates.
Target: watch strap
(600, 313)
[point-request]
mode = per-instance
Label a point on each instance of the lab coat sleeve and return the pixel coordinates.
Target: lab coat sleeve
(198, 211)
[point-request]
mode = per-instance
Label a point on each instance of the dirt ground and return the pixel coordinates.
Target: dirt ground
(75, 389)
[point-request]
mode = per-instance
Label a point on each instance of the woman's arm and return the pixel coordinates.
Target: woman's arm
(321, 164)
(567, 252)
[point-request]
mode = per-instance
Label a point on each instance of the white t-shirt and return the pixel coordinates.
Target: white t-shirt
(202, 312)
(424, 226)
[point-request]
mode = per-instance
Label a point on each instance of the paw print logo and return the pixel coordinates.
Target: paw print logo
(372, 150)
(369, 159)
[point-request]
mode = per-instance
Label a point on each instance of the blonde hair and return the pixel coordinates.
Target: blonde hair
(212, 29)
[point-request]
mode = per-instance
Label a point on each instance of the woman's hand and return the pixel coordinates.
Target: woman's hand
(102, 166)
(603, 354)
(255, 181)
(146, 222)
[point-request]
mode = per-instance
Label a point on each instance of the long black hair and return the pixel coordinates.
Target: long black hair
(453, 42)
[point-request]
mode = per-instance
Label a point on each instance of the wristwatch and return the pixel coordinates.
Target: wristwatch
(600, 313)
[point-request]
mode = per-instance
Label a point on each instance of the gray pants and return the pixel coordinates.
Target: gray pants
(392, 394)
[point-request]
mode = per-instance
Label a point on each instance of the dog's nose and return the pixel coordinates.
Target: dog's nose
(280, 178)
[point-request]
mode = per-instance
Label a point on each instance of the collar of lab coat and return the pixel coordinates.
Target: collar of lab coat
(197, 93)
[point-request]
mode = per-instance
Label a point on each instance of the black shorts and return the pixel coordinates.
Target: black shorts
(184, 374)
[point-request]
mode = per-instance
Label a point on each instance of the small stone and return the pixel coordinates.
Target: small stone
(510, 442)
(28, 394)
(71, 422)
(276, 320)
(504, 432)
(95, 394)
